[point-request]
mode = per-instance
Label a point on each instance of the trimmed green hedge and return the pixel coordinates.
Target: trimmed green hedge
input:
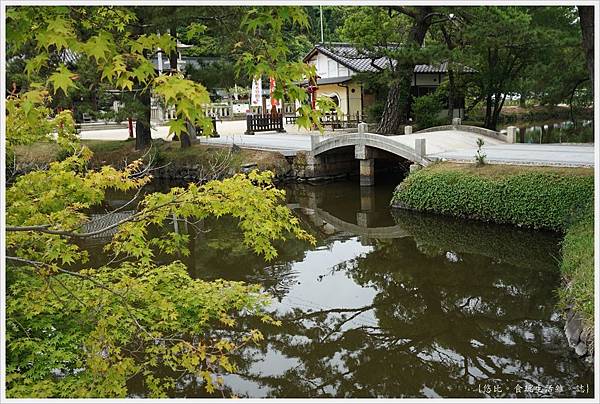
(541, 198)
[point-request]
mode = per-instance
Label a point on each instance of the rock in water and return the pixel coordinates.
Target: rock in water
(451, 256)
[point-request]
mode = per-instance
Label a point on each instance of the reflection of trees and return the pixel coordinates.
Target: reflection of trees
(443, 325)
(435, 234)
(219, 252)
(435, 323)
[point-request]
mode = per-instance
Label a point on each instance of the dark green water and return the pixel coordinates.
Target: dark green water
(396, 304)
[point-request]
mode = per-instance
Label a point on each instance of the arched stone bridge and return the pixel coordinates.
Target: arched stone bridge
(330, 155)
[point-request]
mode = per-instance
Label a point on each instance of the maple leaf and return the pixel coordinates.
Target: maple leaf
(142, 43)
(124, 82)
(107, 72)
(194, 30)
(98, 46)
(61, 79)
(185, 107)
(166, 43)
(177, 126)
(144, 71)
(58, 33)
(34, 65)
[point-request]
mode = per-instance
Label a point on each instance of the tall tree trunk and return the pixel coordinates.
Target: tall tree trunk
(451, 92)
(586, 20)
(488, 110)
(174, 55)
(397, 104)
(396, 107)
(143, 137)
(497, 108)
(451, 81)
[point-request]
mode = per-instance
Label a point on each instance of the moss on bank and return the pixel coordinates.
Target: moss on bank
(552, 198)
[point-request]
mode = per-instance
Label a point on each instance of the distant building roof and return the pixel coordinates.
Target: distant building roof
(347, 55)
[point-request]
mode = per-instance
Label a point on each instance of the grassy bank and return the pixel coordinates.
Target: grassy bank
(559, 199)
(118, 152)
(577, 265)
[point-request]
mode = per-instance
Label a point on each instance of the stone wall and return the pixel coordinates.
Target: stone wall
(579, 336)
(327, 165)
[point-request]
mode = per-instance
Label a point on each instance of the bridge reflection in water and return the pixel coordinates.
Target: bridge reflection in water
(323, 218)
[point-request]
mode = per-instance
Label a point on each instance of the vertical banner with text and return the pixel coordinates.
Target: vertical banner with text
(256, 98)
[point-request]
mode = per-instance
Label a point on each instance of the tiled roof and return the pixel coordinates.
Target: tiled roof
(349, 56)
(328, 80)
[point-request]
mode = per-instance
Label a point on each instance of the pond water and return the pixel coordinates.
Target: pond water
(555, 132)
(395, 304)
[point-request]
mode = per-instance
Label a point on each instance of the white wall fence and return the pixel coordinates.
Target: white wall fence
(219, 110)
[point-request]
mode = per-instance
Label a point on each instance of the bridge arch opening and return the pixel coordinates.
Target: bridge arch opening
(389, 166)
(383, 166)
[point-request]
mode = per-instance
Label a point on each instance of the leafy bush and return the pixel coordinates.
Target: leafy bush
(427, 109)
(542, 198)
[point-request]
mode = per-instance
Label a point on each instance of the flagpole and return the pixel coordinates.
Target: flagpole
(321, 12)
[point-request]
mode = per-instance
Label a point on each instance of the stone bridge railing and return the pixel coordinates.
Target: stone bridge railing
(508, 137)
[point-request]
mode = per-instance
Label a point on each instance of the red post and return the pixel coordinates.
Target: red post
(130, 124)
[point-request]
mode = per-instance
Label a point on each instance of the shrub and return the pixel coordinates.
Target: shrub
(427, 109)
(375, 111)
(543, 198)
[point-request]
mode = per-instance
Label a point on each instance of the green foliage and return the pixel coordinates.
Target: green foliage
(538, 198)
(375, 111)
(85, 332)
(509, 48)
(577, 265)
(427, 110)
(68, 337)
(28, 121)
(100, 326)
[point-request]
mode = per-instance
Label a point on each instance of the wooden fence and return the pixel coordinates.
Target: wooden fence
(264, 123)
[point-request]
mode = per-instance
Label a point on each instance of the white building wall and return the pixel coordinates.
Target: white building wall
(332, 68)
(428, 79)
(322, 65)
(328, 67)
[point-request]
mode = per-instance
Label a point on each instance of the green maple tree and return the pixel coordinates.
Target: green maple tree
(80, 329)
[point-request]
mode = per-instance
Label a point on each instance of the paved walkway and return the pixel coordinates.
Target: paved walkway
(569, 155)
(444, 145)
(225, 128)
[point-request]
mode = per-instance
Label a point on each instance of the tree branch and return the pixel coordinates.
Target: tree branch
(404, 10)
